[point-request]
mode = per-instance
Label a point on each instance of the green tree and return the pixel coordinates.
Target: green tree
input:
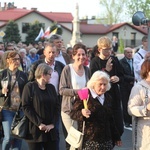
(33, 32)
(113, 10)
(137, 5)
(12, 32)
(59, 28)
(121, 45)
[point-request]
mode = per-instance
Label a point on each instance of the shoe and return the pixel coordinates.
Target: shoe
(127, 125)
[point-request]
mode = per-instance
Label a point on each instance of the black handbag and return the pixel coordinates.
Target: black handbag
(20, 125)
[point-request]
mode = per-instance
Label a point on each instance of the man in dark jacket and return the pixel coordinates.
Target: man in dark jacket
(50, 54)
(127, 84)
(60, 55)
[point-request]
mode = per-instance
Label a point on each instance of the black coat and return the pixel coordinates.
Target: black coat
(128, 73)
(100, 126)
(42, 106)
(58, 67)
(99, 64)
(6, 75)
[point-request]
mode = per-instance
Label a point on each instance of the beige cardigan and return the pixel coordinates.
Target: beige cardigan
(141, 117)
(66, 89)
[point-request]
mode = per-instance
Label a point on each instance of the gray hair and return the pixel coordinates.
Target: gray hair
(42, 69)
(22, 50)
(33, 50)
(55, 37)
(96, 77)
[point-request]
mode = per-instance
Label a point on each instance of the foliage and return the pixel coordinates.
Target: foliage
(59, 29)
(33, 32)
(136, 5)
(121, 45)
(12, 32)
(113, 10)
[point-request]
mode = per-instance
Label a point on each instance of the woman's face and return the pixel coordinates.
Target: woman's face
(100, 86)
(14, 62)
(47, 77)
(80, 56)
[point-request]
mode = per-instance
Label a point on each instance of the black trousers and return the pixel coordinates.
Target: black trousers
(42, 145)
(125, 93)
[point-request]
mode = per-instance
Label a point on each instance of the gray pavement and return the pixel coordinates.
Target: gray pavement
(126, 137)
(126, 140)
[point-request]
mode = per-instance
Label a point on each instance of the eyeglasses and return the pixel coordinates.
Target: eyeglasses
(49, 74)
(15, 59)
(107, 49)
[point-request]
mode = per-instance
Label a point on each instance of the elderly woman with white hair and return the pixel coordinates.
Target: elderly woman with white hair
(100, 132)
(33, 55)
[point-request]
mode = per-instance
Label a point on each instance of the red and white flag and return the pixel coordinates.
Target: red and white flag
(47, 33)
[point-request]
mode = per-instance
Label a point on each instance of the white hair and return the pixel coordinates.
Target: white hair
(96, 77)
(33, 50)
(23, 51)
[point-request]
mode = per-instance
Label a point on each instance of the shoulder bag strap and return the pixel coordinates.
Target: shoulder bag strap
(135, 132)
(83, 126)
(146, 97)
(32, 94)
(140, 55)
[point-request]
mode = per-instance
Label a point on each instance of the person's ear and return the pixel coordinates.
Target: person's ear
(7, 60)
(99, 49)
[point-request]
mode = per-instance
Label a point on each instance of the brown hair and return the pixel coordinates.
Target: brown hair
(145, 38)
(12, 54)
(145, 69)
(42, 69)
(77, 46)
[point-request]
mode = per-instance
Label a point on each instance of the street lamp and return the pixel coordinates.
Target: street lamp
(139, 19)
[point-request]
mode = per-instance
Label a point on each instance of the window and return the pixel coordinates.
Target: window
(25, 27)
(115, 34)
(133, 39)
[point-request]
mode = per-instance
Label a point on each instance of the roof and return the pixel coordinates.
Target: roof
(58, 16)
(17, 13)
(13, 14)
(94, 28)
(63, 17)
(104, 29)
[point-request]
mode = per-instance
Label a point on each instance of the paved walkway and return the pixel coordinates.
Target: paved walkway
(126, 138)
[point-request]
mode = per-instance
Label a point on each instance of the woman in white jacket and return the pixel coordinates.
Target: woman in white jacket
(139, 108)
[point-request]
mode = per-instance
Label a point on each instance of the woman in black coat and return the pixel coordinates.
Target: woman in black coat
(11, 94)
(42, 108)
(100, 131)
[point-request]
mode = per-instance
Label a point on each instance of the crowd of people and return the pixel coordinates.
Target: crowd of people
(45, 78)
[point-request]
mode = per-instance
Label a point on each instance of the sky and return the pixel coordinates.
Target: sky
(86, 7)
